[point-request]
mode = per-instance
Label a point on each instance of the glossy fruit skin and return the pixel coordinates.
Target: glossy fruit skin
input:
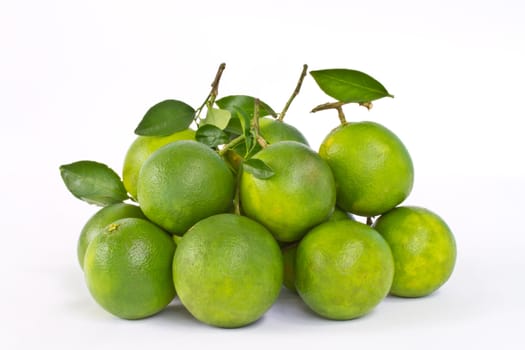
(228, 270)
(299, 196)
(140, 150)
(372, 168)
(343, 269)
(423, 247)
(128, 268)
(182, 183)
(274, 131)
(98, 222)
(289, 251)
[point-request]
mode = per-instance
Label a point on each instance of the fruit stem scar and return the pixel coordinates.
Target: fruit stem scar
(294, 94)
(112, 227)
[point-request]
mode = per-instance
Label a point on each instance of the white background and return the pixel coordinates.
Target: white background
(77, 76)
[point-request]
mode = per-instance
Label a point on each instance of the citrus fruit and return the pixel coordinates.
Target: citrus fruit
(275, 131)
(128, 268)
(182, 183)
(228, 270)
(343, 269)
(289, 251)
(300, 195)
(423, 247)
(96, 224)
(140, 150)
(372, 168)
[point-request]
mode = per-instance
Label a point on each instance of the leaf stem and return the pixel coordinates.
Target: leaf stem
(232, 144)
(341, 115)
(333, 105)
(294, 94)
(255, 125)
(215, 84)
(329, 105)
(367, 105)
(210, 99)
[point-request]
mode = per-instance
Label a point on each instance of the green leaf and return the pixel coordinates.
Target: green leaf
(234, 126)
(211, 135)
(255, 148)
(165, 118)
(245, 122)
(258, 168)
(243, 118)
(246, 103)
(217, 117)
(346, 85)
(93, 182)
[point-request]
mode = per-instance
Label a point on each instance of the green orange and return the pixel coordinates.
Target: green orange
(128, 268)
(289, 251)
(424, 250)
(140, 150)
(102, 218)
(274, 131)
(228, 270)
(343, 269)
(372, 168)
(182, 183)
(300, 195)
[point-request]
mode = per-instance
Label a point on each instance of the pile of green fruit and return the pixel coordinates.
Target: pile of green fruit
(224, 204)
